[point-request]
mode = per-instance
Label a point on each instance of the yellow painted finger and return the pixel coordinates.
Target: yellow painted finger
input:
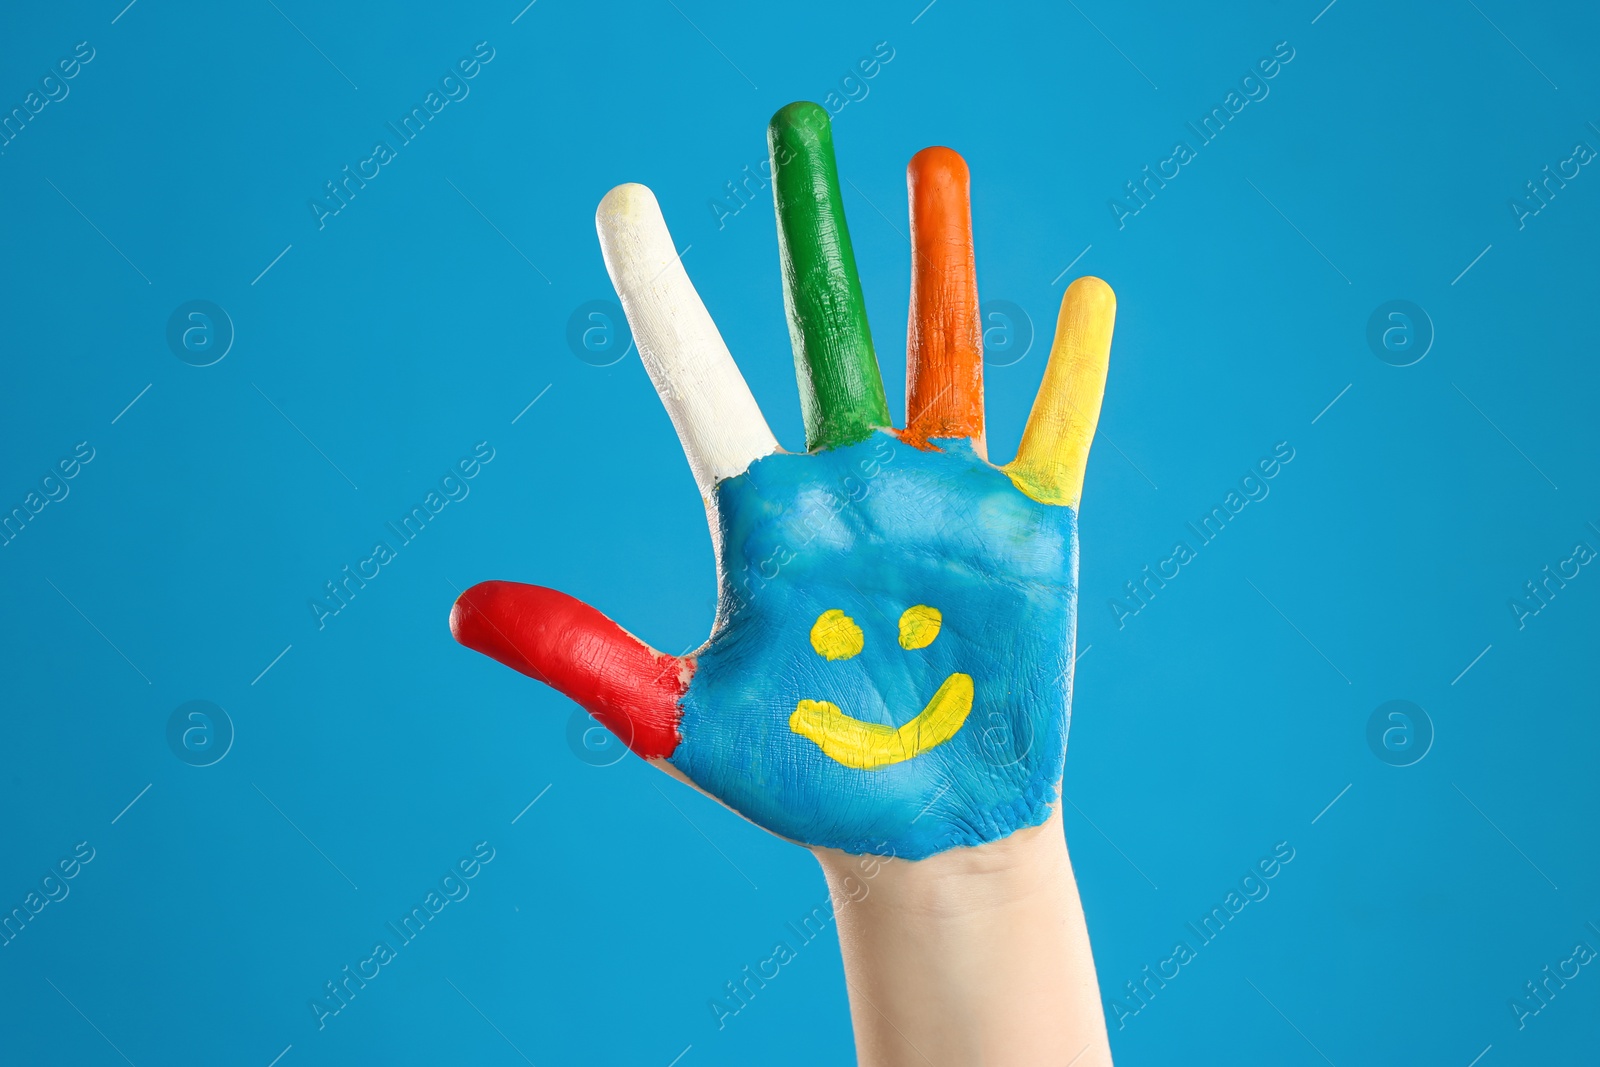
(1055, 445)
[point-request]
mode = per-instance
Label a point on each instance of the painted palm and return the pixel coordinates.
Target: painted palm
(891, 664)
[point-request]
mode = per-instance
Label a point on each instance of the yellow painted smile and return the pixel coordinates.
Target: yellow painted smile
(864, 745)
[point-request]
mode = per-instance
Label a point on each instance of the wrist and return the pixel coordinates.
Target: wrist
(975, 955)
(961, 883)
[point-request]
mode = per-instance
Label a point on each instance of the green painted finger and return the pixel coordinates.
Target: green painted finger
(841, 391)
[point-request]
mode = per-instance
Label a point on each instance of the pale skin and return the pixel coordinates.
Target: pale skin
(976, 955)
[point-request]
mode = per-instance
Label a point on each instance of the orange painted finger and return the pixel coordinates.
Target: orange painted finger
(944, 334)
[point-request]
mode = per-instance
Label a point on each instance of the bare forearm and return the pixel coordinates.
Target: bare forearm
(976, 955)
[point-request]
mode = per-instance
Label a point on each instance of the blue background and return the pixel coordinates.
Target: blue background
(1221, 719)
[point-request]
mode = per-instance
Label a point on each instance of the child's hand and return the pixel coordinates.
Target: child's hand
(891, 665)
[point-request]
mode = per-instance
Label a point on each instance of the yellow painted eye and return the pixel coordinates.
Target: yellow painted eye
(919, 625)
(835, 635)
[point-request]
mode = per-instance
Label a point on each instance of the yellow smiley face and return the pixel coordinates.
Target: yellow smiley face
(864, 745)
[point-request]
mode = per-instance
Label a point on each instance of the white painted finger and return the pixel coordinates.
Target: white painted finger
(718, 422)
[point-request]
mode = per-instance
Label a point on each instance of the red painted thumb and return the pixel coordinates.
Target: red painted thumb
(630, 687)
